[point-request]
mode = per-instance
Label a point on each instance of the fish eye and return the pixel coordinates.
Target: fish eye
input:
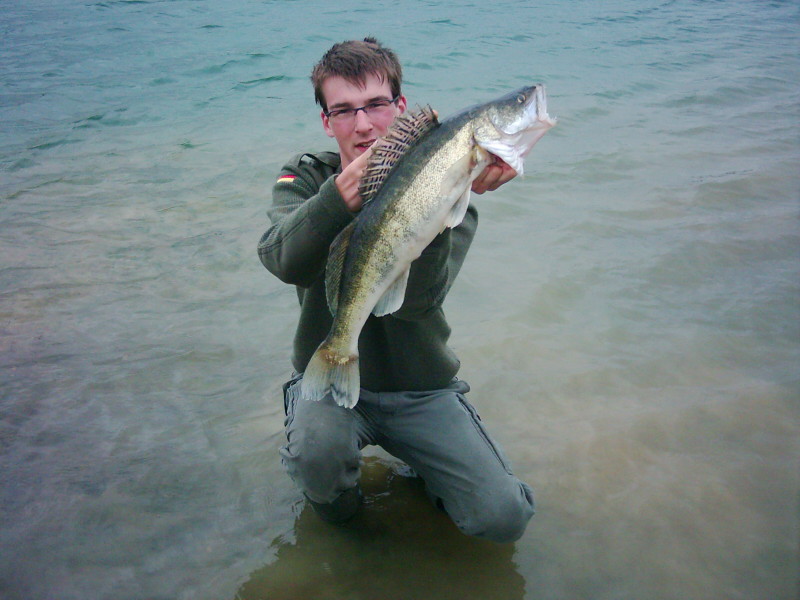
(520, 98)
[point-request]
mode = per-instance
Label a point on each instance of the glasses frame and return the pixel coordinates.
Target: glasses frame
(335, 114)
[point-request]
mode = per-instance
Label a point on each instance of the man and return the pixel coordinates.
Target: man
(410, 403)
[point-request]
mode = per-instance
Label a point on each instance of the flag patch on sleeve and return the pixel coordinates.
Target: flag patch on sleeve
(287, 178)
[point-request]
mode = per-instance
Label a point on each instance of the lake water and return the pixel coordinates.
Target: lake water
(628, 316)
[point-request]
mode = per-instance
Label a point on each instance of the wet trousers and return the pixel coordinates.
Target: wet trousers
(437, 433)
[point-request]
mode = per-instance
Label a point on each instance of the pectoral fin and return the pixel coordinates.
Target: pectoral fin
(458, 211)
(392, 298)
(457, 184)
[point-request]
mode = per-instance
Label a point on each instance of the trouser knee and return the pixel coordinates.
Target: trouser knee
(323, 460)
(500, 517)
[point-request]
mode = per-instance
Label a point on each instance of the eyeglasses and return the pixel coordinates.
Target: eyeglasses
(346, 116)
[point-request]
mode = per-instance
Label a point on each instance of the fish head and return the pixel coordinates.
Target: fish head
(510, 126)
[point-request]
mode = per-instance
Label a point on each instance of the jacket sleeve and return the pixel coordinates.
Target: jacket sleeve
(434, 272)
(307, 213)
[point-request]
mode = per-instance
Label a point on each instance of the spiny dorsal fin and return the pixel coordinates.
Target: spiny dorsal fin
(406, 129)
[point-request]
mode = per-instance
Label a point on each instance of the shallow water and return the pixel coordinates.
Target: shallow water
(628, 317)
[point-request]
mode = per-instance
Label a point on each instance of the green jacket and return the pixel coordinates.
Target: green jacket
(404, 351)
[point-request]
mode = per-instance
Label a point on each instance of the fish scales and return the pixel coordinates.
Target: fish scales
(405, 216)
(408, 201)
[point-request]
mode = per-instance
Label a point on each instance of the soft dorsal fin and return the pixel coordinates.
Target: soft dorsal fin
(406, 129)
(335, 266)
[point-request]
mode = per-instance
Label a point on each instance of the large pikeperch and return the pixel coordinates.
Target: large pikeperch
(417, 184)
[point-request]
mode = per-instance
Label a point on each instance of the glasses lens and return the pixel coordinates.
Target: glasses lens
(342, 117)
(377, 108)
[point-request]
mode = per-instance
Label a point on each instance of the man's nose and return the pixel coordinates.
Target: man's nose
(362, 121)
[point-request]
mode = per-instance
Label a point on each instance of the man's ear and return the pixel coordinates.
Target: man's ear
(326, 124)
(402, 104)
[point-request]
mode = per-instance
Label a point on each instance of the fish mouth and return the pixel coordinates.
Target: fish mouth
(536, 108)
(518, 135)
(532, 116)
(539, 100)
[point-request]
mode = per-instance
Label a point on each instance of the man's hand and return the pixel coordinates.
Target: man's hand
(347, 181)
(493, 176)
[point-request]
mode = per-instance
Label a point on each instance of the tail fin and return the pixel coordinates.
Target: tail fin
(328, 370)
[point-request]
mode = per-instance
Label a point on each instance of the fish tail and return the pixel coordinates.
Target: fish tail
(329, 370)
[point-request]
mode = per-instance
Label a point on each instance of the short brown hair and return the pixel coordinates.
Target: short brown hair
(354, 60)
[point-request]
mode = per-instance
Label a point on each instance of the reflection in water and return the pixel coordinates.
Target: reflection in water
(397, 547)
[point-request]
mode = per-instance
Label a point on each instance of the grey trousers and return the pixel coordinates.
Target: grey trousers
(437, 433)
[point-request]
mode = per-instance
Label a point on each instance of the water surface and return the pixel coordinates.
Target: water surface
(628, 315)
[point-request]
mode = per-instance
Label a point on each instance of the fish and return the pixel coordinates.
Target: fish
(417, 183)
